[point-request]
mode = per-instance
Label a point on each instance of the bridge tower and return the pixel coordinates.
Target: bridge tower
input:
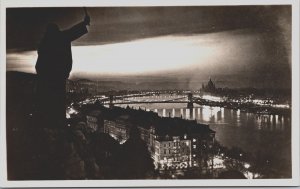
(111, 99)
(190, 103)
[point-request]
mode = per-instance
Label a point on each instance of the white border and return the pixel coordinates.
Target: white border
(152, 183)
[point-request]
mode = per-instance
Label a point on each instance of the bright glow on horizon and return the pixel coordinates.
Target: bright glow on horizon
(150, 55)
(142, 56)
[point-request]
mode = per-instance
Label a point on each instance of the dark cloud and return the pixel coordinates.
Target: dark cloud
(25, 26)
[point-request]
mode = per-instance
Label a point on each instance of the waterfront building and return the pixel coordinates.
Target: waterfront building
(210, 87)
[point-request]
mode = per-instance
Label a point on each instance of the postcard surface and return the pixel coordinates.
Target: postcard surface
(133, 94)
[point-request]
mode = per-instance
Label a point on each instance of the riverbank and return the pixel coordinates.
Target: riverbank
(248, 107)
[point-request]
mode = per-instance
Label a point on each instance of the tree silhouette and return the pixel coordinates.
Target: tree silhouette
(134, 160)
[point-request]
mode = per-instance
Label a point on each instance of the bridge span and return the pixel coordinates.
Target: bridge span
(145, 102)
(189, 99)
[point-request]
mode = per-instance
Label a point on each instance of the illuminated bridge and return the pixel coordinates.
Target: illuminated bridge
(189, 99)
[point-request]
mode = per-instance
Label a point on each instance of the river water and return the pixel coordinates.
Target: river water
(264, 135)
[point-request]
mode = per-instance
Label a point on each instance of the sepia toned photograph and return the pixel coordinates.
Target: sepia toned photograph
(149, 93)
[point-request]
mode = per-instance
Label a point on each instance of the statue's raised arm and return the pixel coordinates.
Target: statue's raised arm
(77, 30)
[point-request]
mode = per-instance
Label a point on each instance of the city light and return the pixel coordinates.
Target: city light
(250, 175)
(218, 162)
(247, 165)
(212, 98)
(281, 105)
(70, 111)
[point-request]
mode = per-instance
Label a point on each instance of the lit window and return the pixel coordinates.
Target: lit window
(187, 143)
(194, 140)
(194, 146)
(194, 155)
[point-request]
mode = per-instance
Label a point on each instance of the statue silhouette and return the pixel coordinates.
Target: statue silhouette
(53, 67)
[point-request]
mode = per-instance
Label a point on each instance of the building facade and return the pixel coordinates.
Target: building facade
(95, 121)
(118, 129)
(173, 143)
(172, 152)
(190, 149)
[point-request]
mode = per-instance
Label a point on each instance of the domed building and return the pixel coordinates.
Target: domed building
(210, 87)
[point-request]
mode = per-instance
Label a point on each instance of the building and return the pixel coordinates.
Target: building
(177, 143)
(210, 87)
(145, 134)
(118, 129)
(174, 143)
(172, 152)
(202, 140)
(95, 121)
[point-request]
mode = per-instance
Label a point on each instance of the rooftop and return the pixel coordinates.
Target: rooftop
(163, 125)
(179, 127)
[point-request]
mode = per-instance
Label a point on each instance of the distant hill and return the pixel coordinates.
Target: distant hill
(107, 85)
(83, 80)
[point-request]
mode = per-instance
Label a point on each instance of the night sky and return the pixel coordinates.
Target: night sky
(239, 46)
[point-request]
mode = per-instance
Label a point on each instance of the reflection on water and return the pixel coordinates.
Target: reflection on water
(233, 127)
(219, 116)
(223, 116)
